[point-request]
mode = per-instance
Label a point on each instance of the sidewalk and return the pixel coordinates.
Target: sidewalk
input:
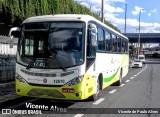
(7, 92)
(7, 85)
(8, 96)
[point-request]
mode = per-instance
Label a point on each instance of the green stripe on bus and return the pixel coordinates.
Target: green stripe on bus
(109, 78)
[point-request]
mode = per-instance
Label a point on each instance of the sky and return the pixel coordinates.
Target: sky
(114, 12)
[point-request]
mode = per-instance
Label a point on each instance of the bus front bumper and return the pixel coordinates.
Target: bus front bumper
(63, 93)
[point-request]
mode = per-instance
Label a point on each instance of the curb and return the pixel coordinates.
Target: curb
(14, 101)
(8, 102)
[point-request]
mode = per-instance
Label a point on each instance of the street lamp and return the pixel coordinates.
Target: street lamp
(102, 11)
(125, 17)
(139, 31)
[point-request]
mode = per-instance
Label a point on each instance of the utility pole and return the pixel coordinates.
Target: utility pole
(125, 17)
(139, 31)
(102, 11)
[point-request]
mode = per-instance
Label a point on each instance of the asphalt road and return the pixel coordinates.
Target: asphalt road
(140, 90)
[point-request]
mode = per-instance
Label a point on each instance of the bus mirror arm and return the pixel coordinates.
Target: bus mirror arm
(14, 32)
(11, 41)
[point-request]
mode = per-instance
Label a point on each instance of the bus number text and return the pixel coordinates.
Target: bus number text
(59, 81)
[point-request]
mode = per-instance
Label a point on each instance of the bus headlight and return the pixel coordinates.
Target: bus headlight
(75, 81)
(20, 79)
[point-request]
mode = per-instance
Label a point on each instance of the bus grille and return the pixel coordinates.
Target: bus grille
(45, 92)
(42, 85)
(38, 74)
(46, 74)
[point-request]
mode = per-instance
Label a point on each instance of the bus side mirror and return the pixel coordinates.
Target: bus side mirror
(93, 33)
(14, 33)
(92, 39)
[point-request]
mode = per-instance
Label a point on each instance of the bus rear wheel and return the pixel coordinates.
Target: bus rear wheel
(119, 82)
(97, 90)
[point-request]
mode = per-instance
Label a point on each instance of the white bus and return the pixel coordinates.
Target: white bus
(68, 57)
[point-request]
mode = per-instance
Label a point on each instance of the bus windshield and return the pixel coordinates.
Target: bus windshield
(52, 45)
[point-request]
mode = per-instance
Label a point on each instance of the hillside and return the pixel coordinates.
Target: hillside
(15, 11)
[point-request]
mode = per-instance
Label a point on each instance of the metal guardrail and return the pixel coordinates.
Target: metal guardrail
(7, 74)
(7, 60)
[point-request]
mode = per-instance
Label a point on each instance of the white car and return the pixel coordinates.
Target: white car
(141, 58)
(136, 63)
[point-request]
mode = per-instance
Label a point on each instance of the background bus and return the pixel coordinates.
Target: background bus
(68, 57)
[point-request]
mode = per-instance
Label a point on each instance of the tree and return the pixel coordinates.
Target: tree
(18, 10)
(132, 50)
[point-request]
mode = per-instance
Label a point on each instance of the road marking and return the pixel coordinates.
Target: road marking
(141, 71)
(122, 85)
(127, 80)
(99, 101)
(113, 91)
(79, 115)
(132, 77)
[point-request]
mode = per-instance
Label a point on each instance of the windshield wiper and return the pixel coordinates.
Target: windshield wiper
(53, 55)
(31, 63)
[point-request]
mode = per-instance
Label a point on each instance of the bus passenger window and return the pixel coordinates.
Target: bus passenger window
(126, 46)
(114, 47)
(119, 44)
(108, 41)
(123, 46)
(101, 42)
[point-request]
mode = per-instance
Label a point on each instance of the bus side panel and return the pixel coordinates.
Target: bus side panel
(89, 85)
(110, 65)
(125, 65)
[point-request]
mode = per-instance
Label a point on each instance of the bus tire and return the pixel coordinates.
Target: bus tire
(119, 82)
(96, 95)
(100, 81)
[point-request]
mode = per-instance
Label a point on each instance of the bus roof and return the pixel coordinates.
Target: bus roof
(69, 17)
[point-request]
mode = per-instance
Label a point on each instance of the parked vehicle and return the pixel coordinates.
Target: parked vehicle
(137, 63)
(141, 58)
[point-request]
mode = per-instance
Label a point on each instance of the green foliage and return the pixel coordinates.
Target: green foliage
(18, 10)
(132, 50)
(0, 6)
(1, 3)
